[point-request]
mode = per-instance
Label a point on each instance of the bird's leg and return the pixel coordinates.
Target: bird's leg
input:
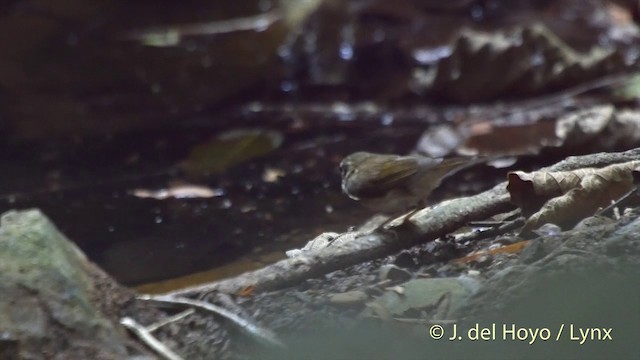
(384, 223)
(405, 219)
(419, 206)
(383, 229)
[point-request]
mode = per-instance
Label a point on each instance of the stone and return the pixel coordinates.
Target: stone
(393, 273)
(48, 307)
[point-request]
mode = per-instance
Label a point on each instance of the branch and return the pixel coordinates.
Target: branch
(143, 334)
(263, 335)
(430, 223)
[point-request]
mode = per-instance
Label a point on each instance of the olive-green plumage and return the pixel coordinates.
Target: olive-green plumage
(390, 183)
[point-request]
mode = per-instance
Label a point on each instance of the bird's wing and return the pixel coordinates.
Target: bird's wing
(386, 175)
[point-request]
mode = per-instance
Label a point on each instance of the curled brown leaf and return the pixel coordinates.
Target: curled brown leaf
(573, 194)
(531, 190)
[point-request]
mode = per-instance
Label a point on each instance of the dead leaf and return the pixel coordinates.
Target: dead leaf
(623, 132)
(272, 175)
(525, 61)
(597, 128)
(247, 291)
(488, 138)
(179, 192)
(584, 126)
(595, 191)
(531, 190)
(568, 196)
(229, 149)
(442, 140)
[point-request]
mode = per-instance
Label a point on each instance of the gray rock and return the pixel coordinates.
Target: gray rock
(394, 273)
(48, 304)
(349, 298)
(438, 295)
(581, 277)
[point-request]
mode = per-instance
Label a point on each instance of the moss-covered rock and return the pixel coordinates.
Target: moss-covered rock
(48, 307)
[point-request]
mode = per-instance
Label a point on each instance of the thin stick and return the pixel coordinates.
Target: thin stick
(619, 202)
(263, 335)
(485, 224)
(145, 336)
(209, 28)
(179, 316)
(493, 231)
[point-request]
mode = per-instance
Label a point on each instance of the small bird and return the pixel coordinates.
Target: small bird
(392, 183)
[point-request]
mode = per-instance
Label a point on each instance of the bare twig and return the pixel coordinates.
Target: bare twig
(145, 336)
(494, 231)
(256, 22)
(170, 319)
(263, 335)
(624, 199)
(485, 224)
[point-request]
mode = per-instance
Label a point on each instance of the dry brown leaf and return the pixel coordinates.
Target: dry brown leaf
(596, 128)
(584, 126)
(531, 190)
(484, 66)
(229, 149)
(597, 188)
(500, 139)
(247, 291)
